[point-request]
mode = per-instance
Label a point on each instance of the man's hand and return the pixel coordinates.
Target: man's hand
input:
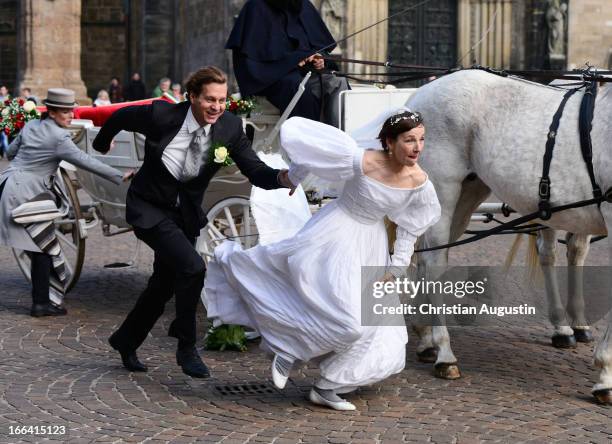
(283, 180)
(316, 59)
(128, 175)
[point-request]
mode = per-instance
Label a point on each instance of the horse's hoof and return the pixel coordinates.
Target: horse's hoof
(583, 335)
(564, 341)
(447, 371)
(603, 396)
(429, 355)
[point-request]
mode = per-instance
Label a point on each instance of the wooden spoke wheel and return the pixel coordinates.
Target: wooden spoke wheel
(228, 219)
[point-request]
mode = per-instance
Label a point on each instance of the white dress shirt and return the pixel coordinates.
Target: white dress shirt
(175, 153)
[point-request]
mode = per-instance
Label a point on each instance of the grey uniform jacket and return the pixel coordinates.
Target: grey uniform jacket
(35, 156)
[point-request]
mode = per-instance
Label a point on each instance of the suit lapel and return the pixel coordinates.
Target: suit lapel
(175, 122)
(217, 132)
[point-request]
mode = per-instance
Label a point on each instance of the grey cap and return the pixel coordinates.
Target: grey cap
(60, 98)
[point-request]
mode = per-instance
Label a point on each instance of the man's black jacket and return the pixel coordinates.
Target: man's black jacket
(154, 191)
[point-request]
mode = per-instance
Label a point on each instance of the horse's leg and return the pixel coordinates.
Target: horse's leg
(577, 250)
(426, 351)
(458, 205)
(602, 390)
(563, 336)
(603, 360)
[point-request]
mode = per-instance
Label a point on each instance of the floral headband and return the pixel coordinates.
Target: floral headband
(414, 116)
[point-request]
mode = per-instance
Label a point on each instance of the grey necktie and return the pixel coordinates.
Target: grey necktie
(194, 158)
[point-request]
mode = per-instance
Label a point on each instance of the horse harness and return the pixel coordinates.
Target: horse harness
(585, 120)
(545, 210)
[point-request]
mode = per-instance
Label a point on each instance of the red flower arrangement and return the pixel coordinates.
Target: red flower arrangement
(15, 114)
(237, 105)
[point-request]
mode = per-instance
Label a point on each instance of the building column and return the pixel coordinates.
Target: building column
(371, 44)
(50, 47)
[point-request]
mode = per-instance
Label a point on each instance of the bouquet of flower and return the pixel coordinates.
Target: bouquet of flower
(237, 105)
(14, 115)
(226, 337)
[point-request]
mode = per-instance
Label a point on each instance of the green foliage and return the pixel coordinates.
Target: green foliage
(226, 337)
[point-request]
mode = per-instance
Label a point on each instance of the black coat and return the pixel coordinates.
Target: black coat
(268, 43)
(153, 191)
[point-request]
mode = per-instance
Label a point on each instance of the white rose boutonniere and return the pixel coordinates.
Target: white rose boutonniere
(220, 154)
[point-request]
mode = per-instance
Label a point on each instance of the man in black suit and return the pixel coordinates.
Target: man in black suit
(164, 204)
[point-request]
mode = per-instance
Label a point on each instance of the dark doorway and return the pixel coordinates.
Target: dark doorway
(425, 35)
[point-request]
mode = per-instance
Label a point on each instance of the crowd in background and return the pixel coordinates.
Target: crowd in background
(136, 90)
(116, 92)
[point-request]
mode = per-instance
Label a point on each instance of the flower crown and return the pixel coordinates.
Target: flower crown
(407, 115)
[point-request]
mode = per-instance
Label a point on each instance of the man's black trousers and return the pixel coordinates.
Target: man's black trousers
(177, 270)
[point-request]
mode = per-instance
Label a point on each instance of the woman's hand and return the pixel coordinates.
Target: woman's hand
(388, 277)
(128, 175)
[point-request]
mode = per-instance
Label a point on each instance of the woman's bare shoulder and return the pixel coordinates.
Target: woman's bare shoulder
(372, 160)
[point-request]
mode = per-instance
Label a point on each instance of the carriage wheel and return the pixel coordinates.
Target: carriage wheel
(67, 231)
(229, 218)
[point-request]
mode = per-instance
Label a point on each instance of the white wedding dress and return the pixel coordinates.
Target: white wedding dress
(303, 293)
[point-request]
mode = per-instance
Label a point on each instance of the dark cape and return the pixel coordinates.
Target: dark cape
(268, 43)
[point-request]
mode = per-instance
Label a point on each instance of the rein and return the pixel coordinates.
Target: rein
(607, 197)
(423, 72)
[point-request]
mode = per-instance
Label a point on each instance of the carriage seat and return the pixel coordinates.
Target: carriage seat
(265, 113)
(262, 120)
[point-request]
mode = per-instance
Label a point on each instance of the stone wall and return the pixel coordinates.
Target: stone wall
(8, 43)
(590, 33)
(206, 25)
(158, 47)
(104, 43)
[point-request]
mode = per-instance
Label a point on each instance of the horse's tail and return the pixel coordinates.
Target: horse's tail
(518, 240)
(534, 271)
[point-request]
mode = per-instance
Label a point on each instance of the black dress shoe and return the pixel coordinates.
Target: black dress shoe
(48, 309)
(191, 363)
(128, 358)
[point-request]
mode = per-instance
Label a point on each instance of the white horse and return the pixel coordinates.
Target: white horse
(487, 133)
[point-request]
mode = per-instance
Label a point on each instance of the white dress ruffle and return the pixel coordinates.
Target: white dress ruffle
(303, 294)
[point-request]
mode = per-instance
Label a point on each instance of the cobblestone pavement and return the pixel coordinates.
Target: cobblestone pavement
(61, 372)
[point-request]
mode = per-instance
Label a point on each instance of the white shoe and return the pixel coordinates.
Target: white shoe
(343, 405)
(251, 335)
(281, 369)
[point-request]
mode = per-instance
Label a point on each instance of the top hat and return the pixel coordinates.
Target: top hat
(60, 98)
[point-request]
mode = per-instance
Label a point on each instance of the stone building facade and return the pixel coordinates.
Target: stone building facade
(83, 43)
(590, 33)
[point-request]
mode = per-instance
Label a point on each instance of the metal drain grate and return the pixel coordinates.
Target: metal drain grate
(246, 390)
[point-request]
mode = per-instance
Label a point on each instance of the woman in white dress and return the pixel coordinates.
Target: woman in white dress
(303, 294)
